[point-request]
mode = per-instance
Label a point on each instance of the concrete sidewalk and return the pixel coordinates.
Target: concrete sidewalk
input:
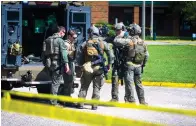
(159, 84)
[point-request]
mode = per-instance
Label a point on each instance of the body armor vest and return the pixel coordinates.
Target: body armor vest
(51, 52)
(71, 50)
(136, 51)
(93, 48)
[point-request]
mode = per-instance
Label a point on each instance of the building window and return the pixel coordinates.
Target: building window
(159, 11)
(128, 16)
(13, 15)
(158, 22)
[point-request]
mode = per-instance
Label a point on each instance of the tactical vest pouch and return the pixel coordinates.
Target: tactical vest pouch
(44, 47)
(51, 53)
(49, 46)
(91, 50)
(131, 50)
(48, 62)
(139, 58)
(54, 65)
(139, 53)
(54, 57)
(56, 50)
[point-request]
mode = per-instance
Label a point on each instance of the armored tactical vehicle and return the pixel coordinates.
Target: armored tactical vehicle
(24, 26)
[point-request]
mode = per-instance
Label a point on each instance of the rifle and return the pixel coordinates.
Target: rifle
(119, 63)
(109, 39)
(101, 60)
(142, 69)
(143, 65)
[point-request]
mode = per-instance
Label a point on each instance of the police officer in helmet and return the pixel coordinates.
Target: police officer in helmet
(92, 60)
(136, 56)
(120, 33)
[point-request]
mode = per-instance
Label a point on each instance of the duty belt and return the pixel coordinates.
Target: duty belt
(54, 56)
(133, 64)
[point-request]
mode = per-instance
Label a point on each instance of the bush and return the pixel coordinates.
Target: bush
(169, 38)
(102, 22)
(111, 33)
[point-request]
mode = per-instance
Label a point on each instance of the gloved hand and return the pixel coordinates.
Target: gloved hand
(66, 70)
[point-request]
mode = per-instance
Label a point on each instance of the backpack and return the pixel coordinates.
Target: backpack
(94, 47)
(140, 49)
(48, 46)
(49, 49)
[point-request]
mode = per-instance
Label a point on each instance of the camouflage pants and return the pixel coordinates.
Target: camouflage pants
(68, 80)
(98, 81)
(56, 77)
(133, 75)
(115, 85)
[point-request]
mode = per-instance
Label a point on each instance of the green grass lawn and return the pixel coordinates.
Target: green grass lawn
(170, 64)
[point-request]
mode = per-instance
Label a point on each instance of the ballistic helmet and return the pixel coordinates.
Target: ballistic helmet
(134, 29)
(93, 30)
(119, 26)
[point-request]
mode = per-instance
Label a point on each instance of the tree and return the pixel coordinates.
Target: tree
(186, 9)
(189, 12)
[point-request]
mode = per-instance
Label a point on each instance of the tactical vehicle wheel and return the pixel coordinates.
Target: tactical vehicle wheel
(5, 85)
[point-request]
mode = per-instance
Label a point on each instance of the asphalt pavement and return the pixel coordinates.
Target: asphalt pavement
(17, 119)
(155, 96)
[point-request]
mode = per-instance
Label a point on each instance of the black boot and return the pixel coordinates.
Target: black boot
(129, 100)
(143, 102)
(69, 104)
(80, 106)
(58, 105)
(94, 107)
(114, 100)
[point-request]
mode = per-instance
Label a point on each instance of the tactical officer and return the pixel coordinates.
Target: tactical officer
(115, 75)
(136, 56)
(93, 64)
(55, 59)
(69, 77)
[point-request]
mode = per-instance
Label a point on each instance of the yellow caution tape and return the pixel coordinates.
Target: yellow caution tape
(165, 84)
(113, 104)
(68, 114)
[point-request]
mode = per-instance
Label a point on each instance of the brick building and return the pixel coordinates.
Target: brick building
(165, 22)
